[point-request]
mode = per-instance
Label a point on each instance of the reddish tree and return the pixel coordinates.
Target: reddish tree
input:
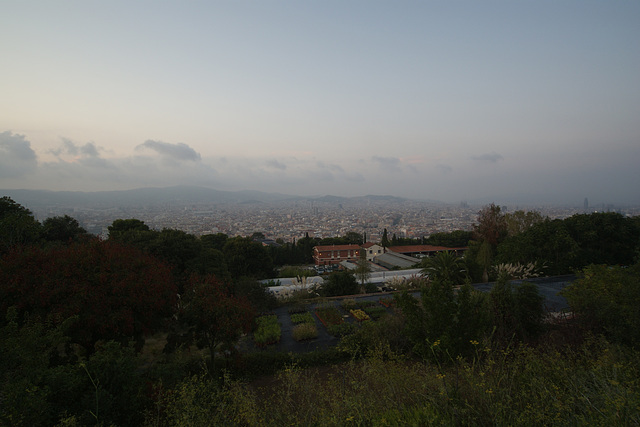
(216, 316)
(117, 292)
(492, 225)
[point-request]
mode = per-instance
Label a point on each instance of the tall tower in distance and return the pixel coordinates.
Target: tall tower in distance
(586, 204)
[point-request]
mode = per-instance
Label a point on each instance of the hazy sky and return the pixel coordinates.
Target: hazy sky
(449, 100)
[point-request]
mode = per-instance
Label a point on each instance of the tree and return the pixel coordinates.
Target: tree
(116, 292)
(492, 226)
(17, 225)
(132, 232)
(454, 239)
(490, 231)
(339, 283)
(258, 236)
(606, 299)
(363, 269)
(385, 243)
(443, 323)
(520, 221)
(353, 238)
(517, 311)
(305, 247)
(247, 258)
(214, 241)
(177, 248)
(445, 267)
(260, 297)
(63, 229)
(216, 316)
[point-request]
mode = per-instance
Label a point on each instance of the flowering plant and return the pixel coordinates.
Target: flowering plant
(359, 315)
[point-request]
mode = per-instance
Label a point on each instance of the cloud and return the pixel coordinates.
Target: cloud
(388, 163)
(276, 164)
(330, 167)
(70, 148)
(445, 169)
(16, 156)
(492, 157)
(179, 151)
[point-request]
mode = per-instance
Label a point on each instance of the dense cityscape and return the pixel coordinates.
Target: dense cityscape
(292, 220)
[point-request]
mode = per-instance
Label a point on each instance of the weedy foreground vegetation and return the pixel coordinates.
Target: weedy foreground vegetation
(143, 329)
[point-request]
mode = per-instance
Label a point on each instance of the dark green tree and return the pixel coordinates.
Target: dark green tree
(132, 232)
(353, 238)
(606, 300)
(490, 230)
(385, 243)
(214, 241)
(517, 311)
(216, 316)
(177, 248)
(444, 267)
(454, 239)
(305, 248)
(520, 221)
(17, 225)
(63, 229)
(246, 258)
(339, 283)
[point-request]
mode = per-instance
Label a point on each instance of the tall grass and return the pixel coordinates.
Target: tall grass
(595, 384)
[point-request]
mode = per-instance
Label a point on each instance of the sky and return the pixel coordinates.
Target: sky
(442, 100)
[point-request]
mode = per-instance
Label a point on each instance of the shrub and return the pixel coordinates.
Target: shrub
(348, 303)
(606, 299)
(375, 312)
(341, 329)
(329, 315)
(365, 304)
(305, 317)
(305, 331)
(297, 307)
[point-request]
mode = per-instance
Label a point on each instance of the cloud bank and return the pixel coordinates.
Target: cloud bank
(17, 159)
(489, 176)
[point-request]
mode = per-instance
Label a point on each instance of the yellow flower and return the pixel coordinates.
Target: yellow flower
(474, 342)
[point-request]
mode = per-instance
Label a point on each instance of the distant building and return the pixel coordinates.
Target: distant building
(395, 260)
(421, 251)
(335, 254)
(372, 250)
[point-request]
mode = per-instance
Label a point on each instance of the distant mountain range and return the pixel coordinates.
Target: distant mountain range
(172, 196)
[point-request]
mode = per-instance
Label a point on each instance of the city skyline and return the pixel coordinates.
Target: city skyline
(450, 101)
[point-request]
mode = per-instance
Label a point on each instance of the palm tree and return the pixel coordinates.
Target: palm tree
(444, 267)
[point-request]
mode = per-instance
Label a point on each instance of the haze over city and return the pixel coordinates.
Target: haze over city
(450, 101)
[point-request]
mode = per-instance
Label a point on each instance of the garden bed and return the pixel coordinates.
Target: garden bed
(329, 316)
(268, 331)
